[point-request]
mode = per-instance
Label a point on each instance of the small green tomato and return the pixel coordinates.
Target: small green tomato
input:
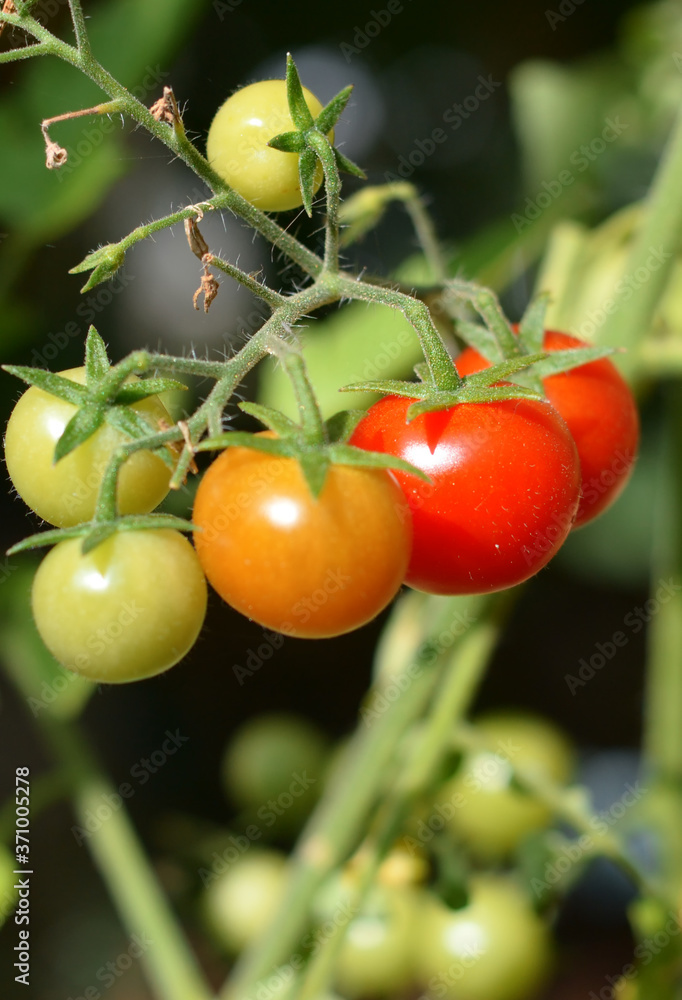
(489, 813)
(129, 609)
(237, 145)
(239, 905)
(494, 948)
(65, 493)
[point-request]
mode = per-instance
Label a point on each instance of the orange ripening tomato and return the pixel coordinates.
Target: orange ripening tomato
(311, 568)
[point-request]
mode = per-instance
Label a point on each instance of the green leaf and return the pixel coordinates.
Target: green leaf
(344, 163)
(98, 534)
(96, 357)
(532, 325)
(481, 339)
(273, 419)
(81, 426)
(133, 392)
(344, 454)
(329, 115)
(298, 109)
(472, 394)
(288, 142)
(307, 168)
(56, 385)
(342, 424)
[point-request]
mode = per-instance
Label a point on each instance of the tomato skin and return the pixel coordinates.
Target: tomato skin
(597, 404)
(503, 495)
(309, 568)
(129, 609)
(494, 948)
(237, 146)
(65, 493)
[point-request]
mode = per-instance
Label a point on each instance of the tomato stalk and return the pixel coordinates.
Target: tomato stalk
(334, 828)
(451, 698)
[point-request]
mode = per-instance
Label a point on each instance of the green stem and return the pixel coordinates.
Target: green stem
(441, 368)
(334, 829)
(170, 965)
(15, 55)
(660, 236)
(273, 299)
(332, 183)
(313, 425)
(451, 699)
(80, 28)
(426, 234)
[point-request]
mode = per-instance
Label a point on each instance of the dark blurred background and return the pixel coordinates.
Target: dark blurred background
(427, 58)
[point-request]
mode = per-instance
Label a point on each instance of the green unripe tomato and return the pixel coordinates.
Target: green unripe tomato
(488, 812)
(129, 609)
(494, 948)
(239, 905)
(276, 758)
(237, 145)
(65, 493)
(375, 958)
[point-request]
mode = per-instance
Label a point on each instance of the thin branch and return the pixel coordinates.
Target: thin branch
(25, 52)
(79, 27)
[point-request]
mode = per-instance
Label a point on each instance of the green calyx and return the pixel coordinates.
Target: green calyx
(106, 396)
(314, 443)
(309, 139)
(95, 532)
(478, 388)
(497, 342)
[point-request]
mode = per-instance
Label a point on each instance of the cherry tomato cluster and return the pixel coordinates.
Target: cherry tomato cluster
(507, 481)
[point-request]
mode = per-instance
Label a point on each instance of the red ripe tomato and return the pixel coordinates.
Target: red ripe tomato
(504, 490)
(599, 408)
